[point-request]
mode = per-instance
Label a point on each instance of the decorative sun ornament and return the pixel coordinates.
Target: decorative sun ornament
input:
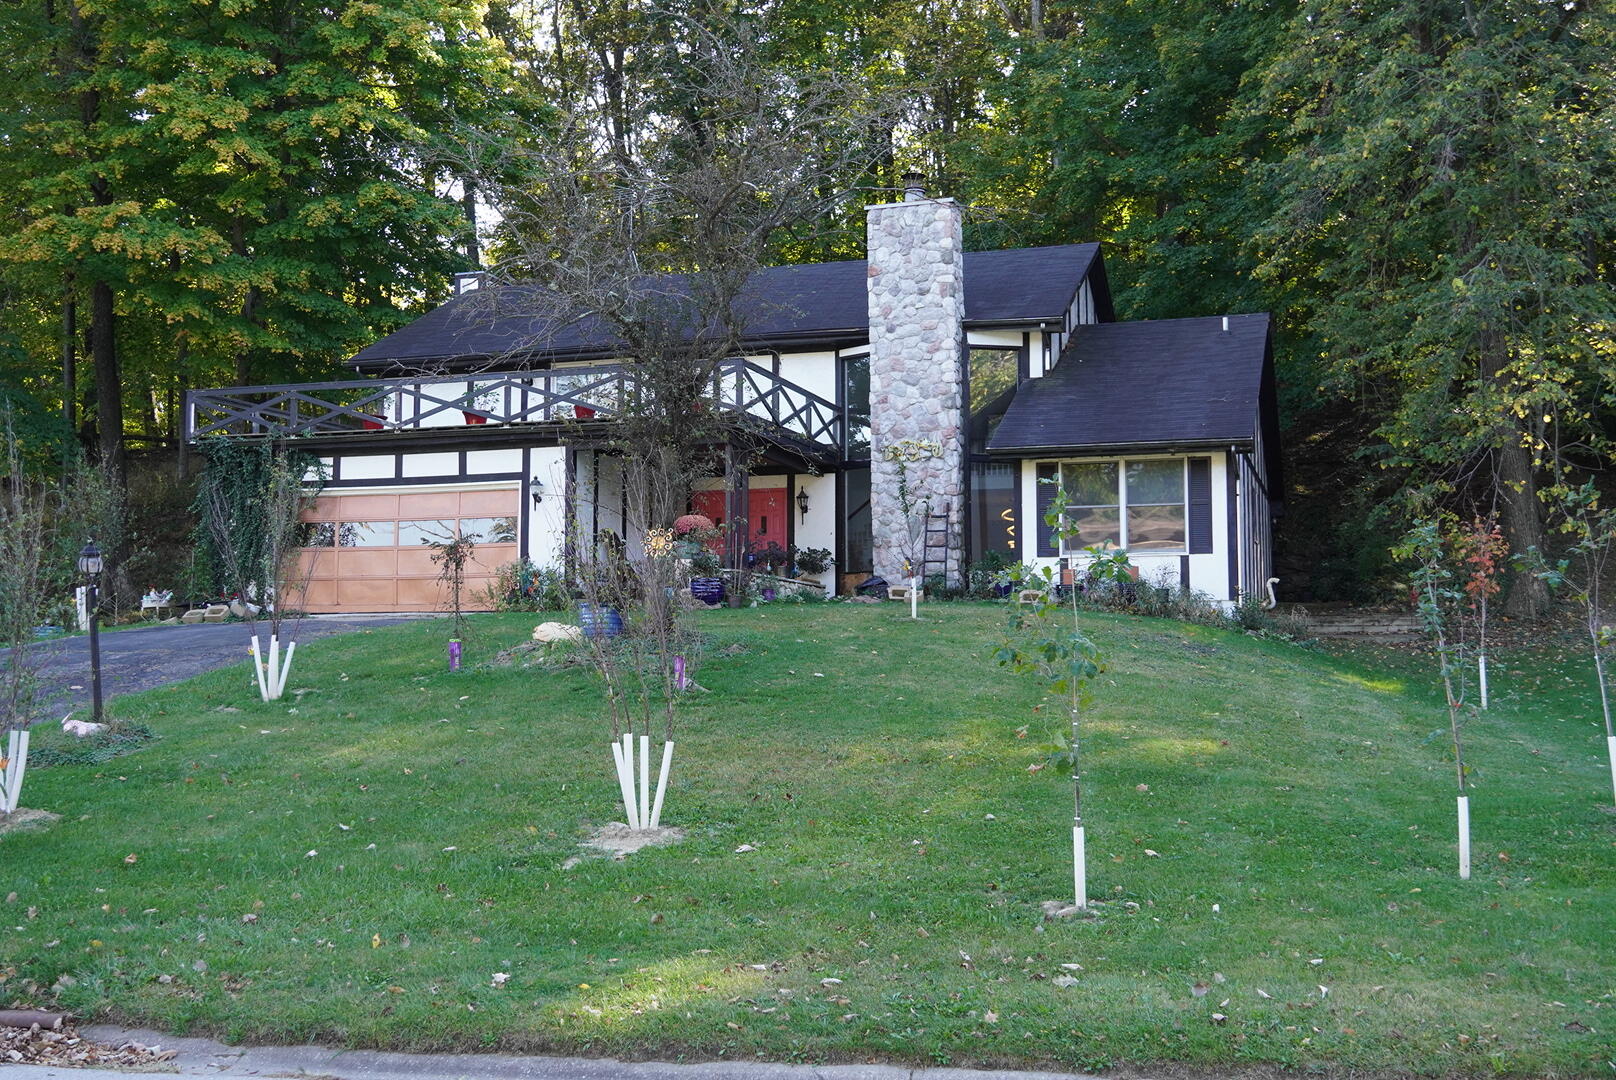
(658, 542)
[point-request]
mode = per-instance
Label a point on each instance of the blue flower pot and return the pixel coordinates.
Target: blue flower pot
(599, 620)
(709, 590)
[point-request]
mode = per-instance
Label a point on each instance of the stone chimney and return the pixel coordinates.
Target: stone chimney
(916, 291)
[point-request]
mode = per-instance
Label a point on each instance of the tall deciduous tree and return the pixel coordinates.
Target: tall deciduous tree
(1448, 197)
(232, 191)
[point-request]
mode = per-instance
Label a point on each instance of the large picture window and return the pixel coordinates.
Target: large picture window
(1137, 505)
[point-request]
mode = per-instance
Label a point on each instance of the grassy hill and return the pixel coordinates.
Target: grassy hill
(1270, 828)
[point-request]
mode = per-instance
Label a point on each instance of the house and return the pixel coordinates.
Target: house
(992, 374)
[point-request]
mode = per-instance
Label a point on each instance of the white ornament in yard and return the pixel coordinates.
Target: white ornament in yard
(81, 728)
(545, 633)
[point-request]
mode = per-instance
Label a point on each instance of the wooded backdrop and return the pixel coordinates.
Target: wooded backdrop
(247, 191)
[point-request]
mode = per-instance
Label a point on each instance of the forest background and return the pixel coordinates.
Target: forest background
(231, 192)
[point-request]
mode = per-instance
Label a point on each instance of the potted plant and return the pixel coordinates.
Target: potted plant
(483, 403)
(772, 557)
(812, 561)
(705, 584)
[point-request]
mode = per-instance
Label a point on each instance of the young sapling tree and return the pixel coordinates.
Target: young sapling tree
(252, 502)
(1045, 639)
(451, 555)
(1581, 574)
(1482, 550)
(912, 544)
(30, 551)
(1437, 599)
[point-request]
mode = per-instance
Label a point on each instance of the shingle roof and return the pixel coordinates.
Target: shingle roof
(1172, 382)
(814, 300)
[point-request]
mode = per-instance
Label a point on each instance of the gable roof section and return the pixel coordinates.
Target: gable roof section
(1158, 384)
(792, 304)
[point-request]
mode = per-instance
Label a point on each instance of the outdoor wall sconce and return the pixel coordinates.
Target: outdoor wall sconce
(802, 501)
(535, 488)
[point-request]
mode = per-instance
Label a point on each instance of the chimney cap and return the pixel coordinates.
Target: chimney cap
(914, 186)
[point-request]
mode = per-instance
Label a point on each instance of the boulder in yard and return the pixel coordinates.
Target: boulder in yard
(546, 633)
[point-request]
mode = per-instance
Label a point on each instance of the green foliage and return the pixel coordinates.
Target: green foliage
(525, 586)
(253, 187)
(248, 504)
(54, 748)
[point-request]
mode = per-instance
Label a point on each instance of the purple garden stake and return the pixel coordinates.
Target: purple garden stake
(679, 679)
(454, 655)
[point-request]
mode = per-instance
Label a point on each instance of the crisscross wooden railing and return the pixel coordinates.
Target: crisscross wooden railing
(562, 395)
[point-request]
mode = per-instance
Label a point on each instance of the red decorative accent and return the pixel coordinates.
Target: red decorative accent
(372, 423)
(583, 412)
(473, 417)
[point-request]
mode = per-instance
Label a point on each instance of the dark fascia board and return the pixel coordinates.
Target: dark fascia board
(476, 364)
(1094, 449)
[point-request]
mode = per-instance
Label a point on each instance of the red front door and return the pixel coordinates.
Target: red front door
(765, 515)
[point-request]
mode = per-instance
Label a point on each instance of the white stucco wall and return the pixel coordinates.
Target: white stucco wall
(817, 528)
(547, 524)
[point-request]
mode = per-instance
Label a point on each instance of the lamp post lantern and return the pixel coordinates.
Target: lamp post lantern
(90, 565)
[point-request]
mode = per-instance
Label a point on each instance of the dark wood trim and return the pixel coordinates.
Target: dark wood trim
(419, 481)
(1232, 512)
(791, 511)
(1184, 572)
(569, 508)
(524, 516)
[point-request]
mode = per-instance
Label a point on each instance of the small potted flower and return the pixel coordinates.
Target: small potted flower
(481, 406)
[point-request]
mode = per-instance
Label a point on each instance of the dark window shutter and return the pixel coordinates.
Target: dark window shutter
(1200, 506)
(1048, 481)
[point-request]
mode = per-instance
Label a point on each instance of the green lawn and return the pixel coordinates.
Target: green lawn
(1265, 821)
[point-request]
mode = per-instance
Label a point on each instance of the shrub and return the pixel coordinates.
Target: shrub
(524, 586)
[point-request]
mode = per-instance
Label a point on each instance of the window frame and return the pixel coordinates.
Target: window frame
(1123, 505)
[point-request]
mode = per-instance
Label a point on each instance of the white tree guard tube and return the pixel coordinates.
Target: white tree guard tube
(661, 784)
(914, 600)
(1080, 880)
(258, 669)
(274, 671)
(1610, 745)
(286, 668)
(625, 781)
(1483, 665)
(645, 782)
(1464, 837)
(11, 775)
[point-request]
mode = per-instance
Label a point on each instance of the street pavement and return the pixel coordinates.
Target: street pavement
(142, 659)
(203, 1057)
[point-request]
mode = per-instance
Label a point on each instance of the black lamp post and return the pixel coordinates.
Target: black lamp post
(90, 565)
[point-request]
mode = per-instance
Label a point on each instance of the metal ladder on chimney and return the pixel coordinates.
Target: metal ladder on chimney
(934, 541)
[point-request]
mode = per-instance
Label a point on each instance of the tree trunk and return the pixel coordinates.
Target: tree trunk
(108, 385)
(70, 354)
(1519, 510)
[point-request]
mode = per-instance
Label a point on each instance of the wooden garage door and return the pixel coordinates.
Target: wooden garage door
(373, 553)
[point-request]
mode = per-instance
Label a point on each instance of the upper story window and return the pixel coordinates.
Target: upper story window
(856, 406)
(1140, 505)
(991, 379)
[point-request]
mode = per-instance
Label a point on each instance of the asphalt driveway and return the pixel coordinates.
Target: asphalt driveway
(134, 660)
